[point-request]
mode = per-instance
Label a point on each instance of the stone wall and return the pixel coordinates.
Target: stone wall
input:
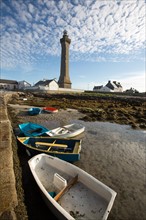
(8, 194)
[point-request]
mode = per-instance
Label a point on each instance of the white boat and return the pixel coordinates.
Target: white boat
(67, 131)
(78, 195)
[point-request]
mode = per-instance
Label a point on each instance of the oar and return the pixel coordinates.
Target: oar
(51, 144)
(69, 185)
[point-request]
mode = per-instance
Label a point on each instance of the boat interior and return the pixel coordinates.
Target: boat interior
(81, 201)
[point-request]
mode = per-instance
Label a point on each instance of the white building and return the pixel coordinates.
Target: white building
(23, 84)
(6, 84)
(131, 90)
(47, 85)
(113, 86)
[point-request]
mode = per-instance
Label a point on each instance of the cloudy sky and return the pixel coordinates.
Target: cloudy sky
(107, 41)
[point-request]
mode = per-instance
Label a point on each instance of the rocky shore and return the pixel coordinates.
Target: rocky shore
(129, 110)
(114, 154)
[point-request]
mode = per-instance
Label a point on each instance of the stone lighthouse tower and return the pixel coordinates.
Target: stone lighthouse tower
(64, 80)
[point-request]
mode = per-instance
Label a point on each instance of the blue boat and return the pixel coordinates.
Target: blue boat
(65, 149)
(34, 111)
(30, 129)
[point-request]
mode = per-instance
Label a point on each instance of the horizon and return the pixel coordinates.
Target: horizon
(107, 41)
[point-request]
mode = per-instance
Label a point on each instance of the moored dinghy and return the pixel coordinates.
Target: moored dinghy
(34, 111)
(67, 131)
(50, 109)
(65, 149)
(78, 195)
(30, 129)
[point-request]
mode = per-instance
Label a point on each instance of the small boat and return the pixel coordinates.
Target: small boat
(34, 111)
(70, 192)
(50, 109)
(65, 149)
(30, 129)
(67, 131)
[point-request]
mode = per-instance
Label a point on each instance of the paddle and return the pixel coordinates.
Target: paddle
(51, 144)
(69, 185)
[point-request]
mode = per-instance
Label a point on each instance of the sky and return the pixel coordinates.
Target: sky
(107, 41)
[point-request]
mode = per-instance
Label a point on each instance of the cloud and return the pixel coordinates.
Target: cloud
(135, 80)
(99, 30)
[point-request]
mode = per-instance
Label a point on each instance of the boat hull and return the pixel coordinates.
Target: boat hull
(86, 199)
(34, 111)
(71, 153)
(67, 131)
(50, 110)
(32, 130)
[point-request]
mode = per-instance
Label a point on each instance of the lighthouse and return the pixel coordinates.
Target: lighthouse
(64, 79)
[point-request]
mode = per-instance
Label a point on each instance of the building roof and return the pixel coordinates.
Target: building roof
(113, 85)
(8, 81)
(97, 87)
(44, 82)
(24, 81)
(117, 84)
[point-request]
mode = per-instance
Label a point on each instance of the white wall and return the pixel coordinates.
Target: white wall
(8, 86)
(106, 89)
(53, 85)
